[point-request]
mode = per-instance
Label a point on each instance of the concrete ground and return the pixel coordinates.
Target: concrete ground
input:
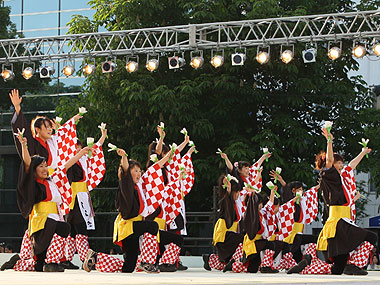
(194, 275)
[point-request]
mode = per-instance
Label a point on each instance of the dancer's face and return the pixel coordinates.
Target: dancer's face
(298, 190)
(136, 174)
(338, 165)
(244, 171)
(45, 131)
(42, 171)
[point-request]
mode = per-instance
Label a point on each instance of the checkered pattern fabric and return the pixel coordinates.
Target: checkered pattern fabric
(311, 210)
(285, 219)
(253, 172)
(171, 254)
(55, 250)
(188, 182)
(287, 261)
(96, 167)
(60, 179)
(108, 263)
(215, 263)
(70, 248)
(149, 249)
(26, 251)
(25, 265)
(82, 246)
(317, 266)
(349, 187)
(360, 255)
(311, 250)
(238, 266)
(267, 260)
(173, 200)
(173, 167)
(153, 184)
(66, 141)
(268, 220)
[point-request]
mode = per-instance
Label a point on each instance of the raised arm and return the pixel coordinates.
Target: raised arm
(274, 175)
(354, 163)
(184, 143)
(227, 161)
(16, 100)
(161, 140)
(329, 152)
(25, 153)
(124, 159)
(262, 158)
(163, 160)
(228, 184)
(103, 137)
(76, 157)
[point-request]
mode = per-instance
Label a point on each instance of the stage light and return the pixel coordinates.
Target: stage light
(108, 66)
(262, 57)
(359, 51)
(152, 64)
(27, 72)
(68, 70)
(376, 49)
(131, 66)
(196, 62)
(309, 55)
(238, 58)
(197, 59)
(46, 71)
(217, 61)
(334, 53)
(7, 74)
(287, 56)
(89, 69)
(176, 62)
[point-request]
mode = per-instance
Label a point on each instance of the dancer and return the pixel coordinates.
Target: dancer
(84, 176)
(340, 235)
(40, 199)
(130, 224)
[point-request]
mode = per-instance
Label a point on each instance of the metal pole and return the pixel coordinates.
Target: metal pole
(22, 16)
(59, 33)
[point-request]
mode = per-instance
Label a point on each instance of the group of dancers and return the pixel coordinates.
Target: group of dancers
(257, 233)
(58, 172)
(253, 233)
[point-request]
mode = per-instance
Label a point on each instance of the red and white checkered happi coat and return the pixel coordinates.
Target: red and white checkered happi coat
(172, 167)
(285, 219)
(188, 182)
(268, 220)
(67, 144)
(349, 187)
(310, 198)
(152, 183)
(96, 167)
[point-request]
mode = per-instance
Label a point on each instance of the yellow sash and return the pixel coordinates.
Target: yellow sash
(329, 229)
(220, 230)
(297, 228)
(123, 228)
(39, 215)
(249, 246)
(273, 237)
(161, 223)
(77, 187)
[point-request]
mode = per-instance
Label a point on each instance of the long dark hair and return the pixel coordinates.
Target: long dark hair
(242, 164)
(38, 121)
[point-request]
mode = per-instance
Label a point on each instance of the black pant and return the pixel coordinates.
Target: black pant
(167, 238)
(280, 246)
(299, 240)
(78, 229)
(131, 243)
(255, 259)
(62, 229)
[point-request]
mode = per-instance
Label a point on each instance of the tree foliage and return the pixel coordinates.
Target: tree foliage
(238, 109)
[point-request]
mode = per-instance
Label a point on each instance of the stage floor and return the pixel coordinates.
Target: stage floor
(191, 276)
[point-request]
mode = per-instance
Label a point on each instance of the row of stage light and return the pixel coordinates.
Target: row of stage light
(197, 60)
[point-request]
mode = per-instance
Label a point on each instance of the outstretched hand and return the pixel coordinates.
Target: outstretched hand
(161, 132)
(22, 140)
(121, 152)
(326, 134)
(16, 100)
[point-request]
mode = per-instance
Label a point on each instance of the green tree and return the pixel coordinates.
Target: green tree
(239, 109)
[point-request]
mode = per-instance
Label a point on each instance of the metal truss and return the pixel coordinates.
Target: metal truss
(275, 31)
